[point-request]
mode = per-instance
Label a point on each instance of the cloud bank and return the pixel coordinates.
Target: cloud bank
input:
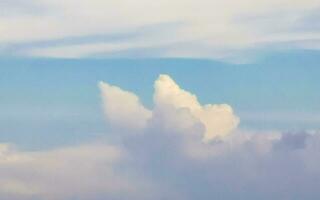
(178, 150)
(202, 29)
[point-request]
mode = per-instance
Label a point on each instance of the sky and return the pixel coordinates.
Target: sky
(174, 99)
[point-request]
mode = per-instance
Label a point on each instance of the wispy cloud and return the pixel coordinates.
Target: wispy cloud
(210, 29)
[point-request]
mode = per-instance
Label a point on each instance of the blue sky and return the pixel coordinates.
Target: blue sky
(153, 100)
(57, 100)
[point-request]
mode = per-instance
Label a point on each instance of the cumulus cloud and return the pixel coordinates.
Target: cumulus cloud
(218, 120)
(124, 108)
(168, 159)
(222, 30)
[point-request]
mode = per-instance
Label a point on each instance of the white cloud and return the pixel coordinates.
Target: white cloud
(159, 165)
(208, 28)
(81, 172)
(124, 108)
(168, 158)
(218, 120)
(77, 51)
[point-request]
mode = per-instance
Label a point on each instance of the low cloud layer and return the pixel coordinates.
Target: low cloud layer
(167, 164)
(178, 150)
(79, 172)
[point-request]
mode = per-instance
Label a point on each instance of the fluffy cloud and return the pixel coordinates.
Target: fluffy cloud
(168, 158)
(124, 108)
(222, 30)
(218, 120)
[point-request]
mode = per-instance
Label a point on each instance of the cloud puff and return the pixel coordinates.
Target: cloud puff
(124, 108)
(222, 30)
(218, 120)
